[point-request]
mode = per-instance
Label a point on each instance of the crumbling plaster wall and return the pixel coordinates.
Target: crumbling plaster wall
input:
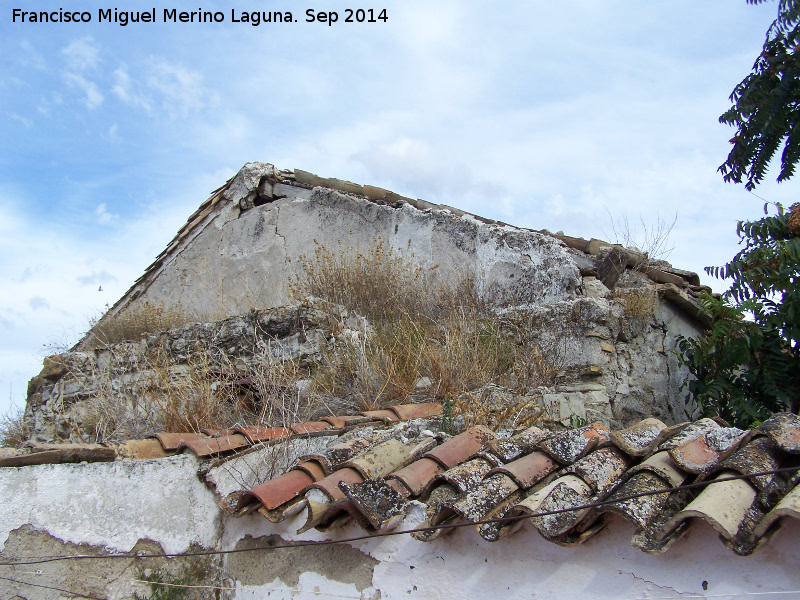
(114, 507)
(235, 259)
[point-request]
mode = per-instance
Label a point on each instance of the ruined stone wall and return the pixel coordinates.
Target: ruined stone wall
(606, 317)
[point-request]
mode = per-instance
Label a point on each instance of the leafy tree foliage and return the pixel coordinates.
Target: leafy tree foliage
(766, 105)
(748, 364)
(747, 369)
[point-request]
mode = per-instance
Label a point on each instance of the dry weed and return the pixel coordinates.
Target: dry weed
(479, 410)
(379, 284)
(132, 324)
(638, 302)
(13, 432)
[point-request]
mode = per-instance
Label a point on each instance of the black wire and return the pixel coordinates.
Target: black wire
(378, 534)
(48, 587)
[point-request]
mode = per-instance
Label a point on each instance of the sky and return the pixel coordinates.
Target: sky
(574, 116)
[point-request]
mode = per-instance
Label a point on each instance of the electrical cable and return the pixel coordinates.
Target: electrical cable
(379, 534)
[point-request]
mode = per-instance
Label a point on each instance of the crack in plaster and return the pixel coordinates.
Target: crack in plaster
(665, 588)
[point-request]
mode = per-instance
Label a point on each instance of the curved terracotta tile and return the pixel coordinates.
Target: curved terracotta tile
(724, 505)
(789, 506)
(226, 443)
(461, 447)
(465, 475)
(408, 412)
(309, 427)
(176, 441)
(511, 448)
(695, 456)
(563, 493)
(602, 469)
(528, 470)
(279, 490)
(263, 434)
(330, 484)
(313, 468)
(662, 465)
(380, 460)
(381, 415)
(640, 438)
(348, 421)
(784, 428)
(568, 446)
(418, 475)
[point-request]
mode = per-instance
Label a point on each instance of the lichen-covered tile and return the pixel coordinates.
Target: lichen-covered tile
(483, 498)
(557, 498)
(759, 455)
(568, 446)
(602, 469)
(640, 438)
(784, 429)
(690, 432)
(642, 509)
(332, 457)
(389, 455)
(789, 506)
(466, 475)
(379, 504)
(428, 530)
(511, 448)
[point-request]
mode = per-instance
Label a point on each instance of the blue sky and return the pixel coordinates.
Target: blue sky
(544, 115)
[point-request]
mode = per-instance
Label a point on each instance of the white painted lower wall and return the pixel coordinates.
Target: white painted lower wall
(114, 505)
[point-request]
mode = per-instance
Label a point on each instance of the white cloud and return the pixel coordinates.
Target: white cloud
(129, 91)
(181, 89)
(82, 54)
(30, 57)
(103, 216)
(93, 98)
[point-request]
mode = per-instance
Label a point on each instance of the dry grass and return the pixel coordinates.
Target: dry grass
(520, 411)
(418, 328)
(380, 284)
(13, 431)
(131, 325)
(638, 302)
(206, 392)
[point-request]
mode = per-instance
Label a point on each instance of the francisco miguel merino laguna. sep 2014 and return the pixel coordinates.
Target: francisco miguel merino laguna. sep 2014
(172, 15)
